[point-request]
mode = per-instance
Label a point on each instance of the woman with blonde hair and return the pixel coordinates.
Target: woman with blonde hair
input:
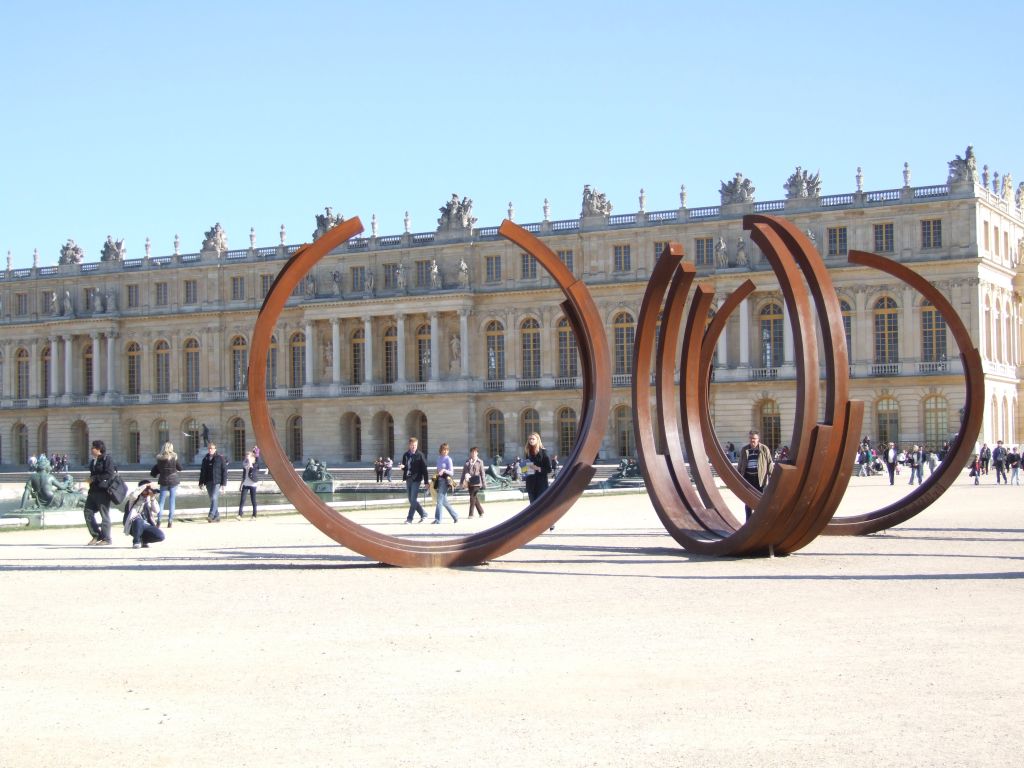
(167, 473)
(536, 466)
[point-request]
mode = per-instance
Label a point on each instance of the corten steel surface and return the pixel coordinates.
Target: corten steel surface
(956, 458)
(801, 497)
(592, 345)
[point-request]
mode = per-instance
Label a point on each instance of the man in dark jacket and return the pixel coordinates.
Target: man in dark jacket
(213, 475)
(101, 472)
(755, 464)
(414, 472)
(890, 457)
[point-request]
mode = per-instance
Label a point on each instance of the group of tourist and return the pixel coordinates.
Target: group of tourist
(382, 468)
(1002, 459)
(890, 458)
(58, 462)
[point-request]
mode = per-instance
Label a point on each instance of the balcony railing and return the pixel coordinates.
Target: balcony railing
(238, 394)
(764, 374)
(885, 369)
(936, 366)
(528, 384)
(494, 385)
(567, 382)
(622, 379)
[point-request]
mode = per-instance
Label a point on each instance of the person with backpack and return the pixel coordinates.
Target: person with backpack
(250, 482)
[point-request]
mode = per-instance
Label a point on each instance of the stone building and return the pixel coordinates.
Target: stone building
(455, 335)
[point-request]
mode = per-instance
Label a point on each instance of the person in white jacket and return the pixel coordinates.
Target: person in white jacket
(249, 484)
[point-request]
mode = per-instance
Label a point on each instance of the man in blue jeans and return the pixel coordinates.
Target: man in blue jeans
(414, 472)
(213, 475)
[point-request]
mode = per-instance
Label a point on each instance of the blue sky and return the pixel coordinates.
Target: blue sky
(149, 119)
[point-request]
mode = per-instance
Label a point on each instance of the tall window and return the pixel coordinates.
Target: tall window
(22, 363)
(237, 288)
(358, 279)
(936, 421)
(191, 292)
(90, 385)
(239, 362)
(294, 438)
(423, 273)
(704, 251)
(837, 241)
(495, 336)
(529, 336)
(265, 282)
(622, 262)
(931, 233)
(884, 241)
(887, 415)
(623, 330)
(162, 358)
(191, 434)
(390, 354)
(133, 368)
(160, 294)
(528, 267)
(771, 424)
(622, 426)
(132, 298)
(297, 360)
(933, 334)
(45, 365)
(191, 365)
(568, 355)
(21, 304)
(390, 275)
(770, 332)
(529, 422)
(565, 425)
(163, 435)
(389, 435)
(566, 257)
(358, 348)
(659, 247)
(886, 316)
(492, 266)
(495, 421)
(21, 443)
(133, 449)
(847, 311)
(238, 442)
(421, 430)
(272, 363)
(423, 352)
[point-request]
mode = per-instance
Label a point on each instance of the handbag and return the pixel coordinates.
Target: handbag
(475, 481)
(117, 489)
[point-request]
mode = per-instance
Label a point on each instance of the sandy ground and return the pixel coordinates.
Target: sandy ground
(600, 644)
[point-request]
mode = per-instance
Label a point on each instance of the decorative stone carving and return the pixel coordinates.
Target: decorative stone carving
(737, 190)
(324, 221)
(309, 287)
(1006, 190)
(68, 310)
(741, 254)
(435, 275)
(595, 203)
(369, 284)
(44, 490)
(110, 300)
(400, 277)
(463, 274)
(71, 253)
(963, 169)
(859, 178)
(51, 303)
(113, 250)
(547, 210)
(373, 225)
(215, 239)
(337, 278)
(454, 353)
(1019, 195)
(252, 238)
(906, 174)
(407, 223)
(643, 201)
(802, 183)
(177, 245)
(721, 254)
(682, 195)
(455, 215)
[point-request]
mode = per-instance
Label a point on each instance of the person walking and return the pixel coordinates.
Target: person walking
(213, 476)
(891, 458)
(250, 481)
(97, 503)
(975, 465)
(378, 469)
(985, 456)
(167, 473)
(536, 466)
(755, 464)
(999, 462)
(414, 472)
(473, 479)
(915, 460)
(388, 466)
(138, 515)
(1013, 462)
(445, 481)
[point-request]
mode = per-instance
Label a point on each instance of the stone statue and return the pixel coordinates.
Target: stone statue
(327, 356)
(71, 253)
(337, 278)
(177, 245)
(113, 250)
(1006, 192)
(44, 490)
(1019, 196)
(373, 225)
(99, 301)
(595, 203)
(737, 190)
(721, 254)
(463, 274)
(309, 285)
(741, 254)
(455, 215)
(802, 184)
(547, 210)
(454, 353)
(216, 239)
(812, 237)
(51, 303)
(682, 195)
(325, 221)
(435, 275)
(963, 169)
(69, 309)
(369, 283)
(407, 223)
(400, 277)
(315, 471)
(110, 300)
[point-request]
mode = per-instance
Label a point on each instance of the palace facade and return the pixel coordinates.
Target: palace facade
(457, 336)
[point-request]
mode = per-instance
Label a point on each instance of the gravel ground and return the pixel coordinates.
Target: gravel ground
(263, 643)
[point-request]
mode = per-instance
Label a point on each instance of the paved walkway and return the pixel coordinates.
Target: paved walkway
(601, 643)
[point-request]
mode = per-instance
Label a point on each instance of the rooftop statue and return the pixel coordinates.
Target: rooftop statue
(325, 221)
(1019, 195)
(738, 190)
(595, 203)
(455, 215)
(71, 253)
(963, 169)
(802, 184)
(44, 490)
(113, 250)
(215, 239)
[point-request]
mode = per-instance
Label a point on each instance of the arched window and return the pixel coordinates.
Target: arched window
(192, 434)
(771, 424)
(933, 334)
(622, 429)
(988, 329)
(133, 448)
(936, 421)
(1007, 334)
(529, 422)
(358, 349)
(20, 444)
(42, 434)
(623, 329)
(162, 357)
(495, 421)
(997, 343)
(88, 385)
(847, 312)
(272, 363)
(770, 335)
(529, 338)
(45, 366)
(191, 365)
(495, 336)
(352, 437)
(239, 362)
(568, 355)
(565, 425)
(133, 368)
(389, 435)
(297, 361)
(163, 435)
(887, 420)
(390, 354)
(238, 442)
(294, 438)
(423, 352)
(887, 331)
(22, 364)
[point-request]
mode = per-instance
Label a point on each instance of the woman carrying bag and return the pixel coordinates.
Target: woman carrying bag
(473, 479)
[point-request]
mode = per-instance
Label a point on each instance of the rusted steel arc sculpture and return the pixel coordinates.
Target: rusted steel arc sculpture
(956, 458)
(592, 345)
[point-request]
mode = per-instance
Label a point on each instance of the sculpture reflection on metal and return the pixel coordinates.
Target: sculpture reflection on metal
(592, 344)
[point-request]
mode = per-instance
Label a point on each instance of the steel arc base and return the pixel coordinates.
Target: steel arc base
(592, 345)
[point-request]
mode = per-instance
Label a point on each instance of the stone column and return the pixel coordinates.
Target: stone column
(54, 370)
(745, 333)
(787, 337)
(69, 386)
(310, 352)
(400, 354)
(335, 350)
(111, 340)
(464, 340)
(434, 375)
(95, 337)
(367, 349)
(723, 347)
